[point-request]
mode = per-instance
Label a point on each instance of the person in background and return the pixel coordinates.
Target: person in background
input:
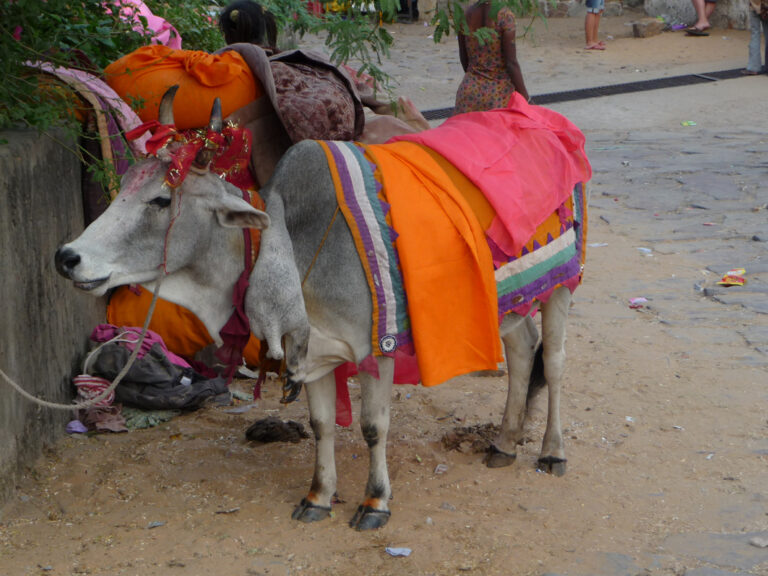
(491, 70)
(704, 9)
(595, 10)
(758, 18)
(247, 21)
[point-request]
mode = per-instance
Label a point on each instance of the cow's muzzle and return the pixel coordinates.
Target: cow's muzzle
(66, 261)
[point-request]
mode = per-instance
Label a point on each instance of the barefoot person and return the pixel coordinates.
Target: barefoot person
(595, 10)
(492, 73)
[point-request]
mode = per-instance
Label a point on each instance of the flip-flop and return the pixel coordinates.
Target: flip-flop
(595, 47)
(693, 31)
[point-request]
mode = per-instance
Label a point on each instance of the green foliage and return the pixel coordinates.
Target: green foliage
(451, 17)
(63, 32)
(85, 34)
(195, 21)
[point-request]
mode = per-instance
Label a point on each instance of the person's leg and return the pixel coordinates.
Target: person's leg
(597, 28)
(703, 11)
(590, 31)
(588, 34)
(753, 63)
(765, 39)
(709, 7)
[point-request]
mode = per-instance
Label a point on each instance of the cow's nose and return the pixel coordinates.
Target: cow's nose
(66, 260)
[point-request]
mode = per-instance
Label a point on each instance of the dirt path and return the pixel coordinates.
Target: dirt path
(664, 411)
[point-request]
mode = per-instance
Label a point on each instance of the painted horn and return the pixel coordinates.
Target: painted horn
(165, 113)
(205, 155)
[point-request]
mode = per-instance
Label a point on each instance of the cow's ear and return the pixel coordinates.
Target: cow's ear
(233, 212)
(243, 219)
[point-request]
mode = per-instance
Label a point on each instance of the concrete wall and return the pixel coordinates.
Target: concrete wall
(728, 13)
(44, 321)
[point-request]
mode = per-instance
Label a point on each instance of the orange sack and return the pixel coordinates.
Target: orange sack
(182, 331)
(142, 77)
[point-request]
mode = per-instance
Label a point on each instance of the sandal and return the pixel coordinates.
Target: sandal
(693, 31)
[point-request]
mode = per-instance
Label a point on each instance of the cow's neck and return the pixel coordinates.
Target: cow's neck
(205, 285)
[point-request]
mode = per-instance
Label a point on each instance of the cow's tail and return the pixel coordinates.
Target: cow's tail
(537, 381)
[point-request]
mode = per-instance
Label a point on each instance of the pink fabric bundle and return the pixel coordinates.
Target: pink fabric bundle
(526, 159)
(163, 31)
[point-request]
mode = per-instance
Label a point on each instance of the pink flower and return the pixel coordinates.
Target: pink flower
(17, 33)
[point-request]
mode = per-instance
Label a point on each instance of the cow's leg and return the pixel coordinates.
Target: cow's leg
(520, 337)
(554, 317)
(374, 422)
(321, 395)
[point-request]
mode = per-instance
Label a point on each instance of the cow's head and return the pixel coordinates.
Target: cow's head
(153, 225)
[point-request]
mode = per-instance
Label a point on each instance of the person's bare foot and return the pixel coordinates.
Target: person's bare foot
(411, 114)
(596, 46)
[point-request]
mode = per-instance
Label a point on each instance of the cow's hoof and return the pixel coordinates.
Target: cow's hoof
(498, 459)
(291, 391)
(552, 465)
(308, 512)
(367, 518)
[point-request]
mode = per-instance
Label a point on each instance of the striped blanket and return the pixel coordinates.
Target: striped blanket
(366, 177)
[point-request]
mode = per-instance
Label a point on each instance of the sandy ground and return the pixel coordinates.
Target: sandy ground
(664, 407)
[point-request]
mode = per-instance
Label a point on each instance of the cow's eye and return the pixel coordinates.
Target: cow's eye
(160, 202)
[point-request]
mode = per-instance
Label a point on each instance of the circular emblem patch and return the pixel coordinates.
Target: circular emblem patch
(388, 344)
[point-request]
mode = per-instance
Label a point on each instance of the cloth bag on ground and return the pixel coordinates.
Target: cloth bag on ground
(153, 381)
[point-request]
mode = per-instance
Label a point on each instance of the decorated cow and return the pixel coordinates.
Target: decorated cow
(412, 261)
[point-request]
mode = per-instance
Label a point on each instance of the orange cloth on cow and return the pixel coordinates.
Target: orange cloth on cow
(180, 329)
(143, 76)
(451, 291)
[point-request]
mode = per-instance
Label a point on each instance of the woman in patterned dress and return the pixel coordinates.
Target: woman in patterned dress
(492, 72)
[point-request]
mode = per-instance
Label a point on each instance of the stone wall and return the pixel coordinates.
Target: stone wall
(44, 321)
(728, 13)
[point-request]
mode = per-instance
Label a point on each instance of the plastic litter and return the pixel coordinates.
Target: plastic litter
(76, 427)
(638, 302)
(687, 123)
(403, 552)
(241, 409)
(733, 277)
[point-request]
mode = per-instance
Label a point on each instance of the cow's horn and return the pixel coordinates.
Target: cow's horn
(215, 123)
(165, 113)
(206, 154)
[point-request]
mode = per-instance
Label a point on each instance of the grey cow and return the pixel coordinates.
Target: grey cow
(325, 319)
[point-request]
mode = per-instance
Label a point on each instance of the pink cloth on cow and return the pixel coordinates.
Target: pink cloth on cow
(526, 170)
